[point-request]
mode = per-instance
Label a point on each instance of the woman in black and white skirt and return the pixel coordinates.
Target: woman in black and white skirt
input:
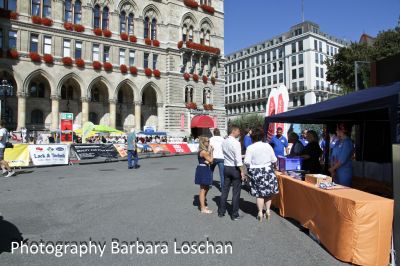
(259, 160)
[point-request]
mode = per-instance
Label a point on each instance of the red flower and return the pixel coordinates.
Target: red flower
(96, 65)
(13, 15)
(156, 43)
(208, 107)
(98, 31)
(123, 68)
(148, 72)
(48, 59)
(132, 38)
(213, 80)
(67, 61)
(107, 66)
(35, 57)
(180, 44)
(133, 70)
(68, 26)
(205, 79)
(47, 22)
(195, 77)
(79, 28)
(186, 76)
(124, 36)
(191, 105)
(191, 3)
(80, 62)
(156, 73)
(13, 53)
(204, 48)
(147, 41)
(107, 33)
(208, 9)
(36, 20)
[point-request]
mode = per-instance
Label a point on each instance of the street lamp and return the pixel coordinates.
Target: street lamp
(6, 90)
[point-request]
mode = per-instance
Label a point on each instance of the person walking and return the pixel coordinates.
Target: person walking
(203, 176)
(279, 143)
(5, 167)
(234, 173)
(132, 151)
(259, 159)
(218, 155)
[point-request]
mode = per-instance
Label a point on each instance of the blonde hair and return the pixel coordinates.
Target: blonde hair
(202, 143)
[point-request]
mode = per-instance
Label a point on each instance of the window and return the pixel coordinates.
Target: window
(67, 93)
(320, 46)
(269, 68)
(93, 118)
(130, 24)
(191, 33)
(68, 11)
(316, 58)
(12, 39)
(280, 77)
(280, 65)
(47, 45)
(275, 79)
(300, 59)
(317, 72)
(154, 29)
(78, 12)
(122, 56)
(67, 48)
(301, 72)
(34, 43)
(37, 90)
(202, 37)
(293, 47)
(36, 7)
(188, 94)
(37, 117)
(96, 52)
(146, 27)
(321, 72)
(96, 17)
(315, 45)
(293, 60)
(78, 49)
(105, 22)
(269, 80)
(122, 22)
(46, 9)
(206, 96)
(301, 45)
(146, 60)
(301, 85)
(155, 58)
(294, 74)
(8, 4)
(106, 54)
(321, 58)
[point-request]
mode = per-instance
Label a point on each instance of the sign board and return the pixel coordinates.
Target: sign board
(49, 154)
(149, 128)
(66, 126)
(17, 156)
(95, 151)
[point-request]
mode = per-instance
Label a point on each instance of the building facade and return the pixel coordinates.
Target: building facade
(119, 63)
(295, 59)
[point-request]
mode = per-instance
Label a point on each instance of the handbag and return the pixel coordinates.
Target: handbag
(9, 145)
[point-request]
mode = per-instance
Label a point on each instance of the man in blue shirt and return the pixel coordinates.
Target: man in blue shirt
(247, 139)
(279, 143)
(132, 150)
(303, 137)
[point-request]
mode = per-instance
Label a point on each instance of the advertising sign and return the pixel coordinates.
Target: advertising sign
(66, 126)
(17, 156)
(49, 154)
(159, 148)
(121, 148)
(94, 151)
(178, 148)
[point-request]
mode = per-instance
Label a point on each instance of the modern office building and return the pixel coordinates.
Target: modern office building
(295, 59)
(119, 63)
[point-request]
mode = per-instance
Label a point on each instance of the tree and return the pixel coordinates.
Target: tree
(248, 121)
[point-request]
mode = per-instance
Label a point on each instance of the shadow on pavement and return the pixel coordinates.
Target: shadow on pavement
(8, 233)
(248, 207)
(21, 172)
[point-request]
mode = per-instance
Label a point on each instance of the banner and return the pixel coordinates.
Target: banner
(94, 151)
(17, 156)
(121, 149)
(66, 121)
(49, 154)
(162, 148)
(194, 147)
(179, 148)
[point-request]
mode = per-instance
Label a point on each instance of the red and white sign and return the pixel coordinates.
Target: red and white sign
(66, 126)
(278, 102)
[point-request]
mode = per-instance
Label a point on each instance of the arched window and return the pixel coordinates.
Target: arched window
(37, 117)
(206, 96)
(188, 94)
(202, 37)
(207, 38)
(191, 34)
(184, 32)
(36, 7)
(93, 118)
(146, 27)
(122, 22)
(96, 17)
(130, 24)
(68, 11)
(67, 93)
(37, 90)
(154, 29)
(105, 18)
(120, 96)
(95, 95)
(78, 12)
(46, 9)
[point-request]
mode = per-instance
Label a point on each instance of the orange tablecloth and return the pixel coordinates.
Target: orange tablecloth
(352, 225)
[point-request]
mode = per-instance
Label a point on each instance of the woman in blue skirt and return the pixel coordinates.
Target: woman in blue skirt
(204, 176)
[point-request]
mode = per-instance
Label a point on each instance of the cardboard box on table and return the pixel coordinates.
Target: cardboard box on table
(317, 179)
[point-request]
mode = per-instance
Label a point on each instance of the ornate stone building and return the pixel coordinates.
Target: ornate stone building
(128, 63)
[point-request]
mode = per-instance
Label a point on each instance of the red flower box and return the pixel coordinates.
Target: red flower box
(68, 26)
(195, 77)
(13, 53)
(147, 41)
(107, 66)
(191, 3)
(13, 15)
(208, 107)
(47, 22)
(156, 43)
(208, 9)
(35, 57)
(133, 70)
(79, 28)
(98, 31)
(213, 80)
(186, 76)
(180, 44)
(156, 73)
(67, 61)
(36, 20)
(79, 62)
(148, 72)
(48, 59)
(96, 65)
(124, 36)
(205, 79)
(132, 38)
(123, 68)
(107, 33)
(191, 105)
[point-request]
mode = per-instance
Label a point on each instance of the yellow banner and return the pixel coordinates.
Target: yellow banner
(17, 156)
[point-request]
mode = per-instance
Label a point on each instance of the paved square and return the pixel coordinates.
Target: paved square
(154, 203)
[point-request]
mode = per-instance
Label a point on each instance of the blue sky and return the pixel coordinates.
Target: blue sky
(250, 21)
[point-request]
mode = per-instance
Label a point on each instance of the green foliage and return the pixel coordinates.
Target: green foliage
(248, 121)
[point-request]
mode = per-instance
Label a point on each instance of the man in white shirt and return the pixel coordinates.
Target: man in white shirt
(234, 172)
(3, 140)
(216, 143)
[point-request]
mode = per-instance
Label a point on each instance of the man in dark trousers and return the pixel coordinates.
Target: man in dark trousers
(132, 150)
(234, 172)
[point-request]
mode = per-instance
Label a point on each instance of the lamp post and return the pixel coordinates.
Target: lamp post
(6, 90)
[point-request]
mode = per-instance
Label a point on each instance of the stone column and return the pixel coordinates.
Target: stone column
(113, 112)
(138, 114)
(160, 116)
(85, 110)
(21, 110)
(55, 103)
